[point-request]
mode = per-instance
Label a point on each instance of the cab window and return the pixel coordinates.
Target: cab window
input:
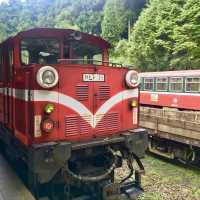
(162, 84)
(40, 51)
(192, 84)
(80, 52)
(148, 84)
(176, 84)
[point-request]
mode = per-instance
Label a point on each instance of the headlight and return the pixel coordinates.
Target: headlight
(132, 79)
(47, 77)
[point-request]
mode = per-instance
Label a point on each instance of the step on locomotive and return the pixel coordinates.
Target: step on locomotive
(70, 115)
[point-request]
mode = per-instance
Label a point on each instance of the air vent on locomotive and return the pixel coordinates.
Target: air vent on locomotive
(82, 92)
(104, 92)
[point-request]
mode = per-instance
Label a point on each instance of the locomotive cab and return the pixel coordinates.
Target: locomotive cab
(72, 114)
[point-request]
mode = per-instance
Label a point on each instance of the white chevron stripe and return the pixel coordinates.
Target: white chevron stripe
(121, 96)
(171, 93)
(67, 101)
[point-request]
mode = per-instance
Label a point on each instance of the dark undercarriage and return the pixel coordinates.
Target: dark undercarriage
(81, 171)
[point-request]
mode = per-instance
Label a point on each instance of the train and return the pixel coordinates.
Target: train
(70, 115)
(170, 109)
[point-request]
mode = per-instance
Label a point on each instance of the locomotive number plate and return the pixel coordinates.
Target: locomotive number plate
(93, 77)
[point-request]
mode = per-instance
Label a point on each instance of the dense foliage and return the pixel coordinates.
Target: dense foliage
(118, 16)
(165, 36)
(86, 15)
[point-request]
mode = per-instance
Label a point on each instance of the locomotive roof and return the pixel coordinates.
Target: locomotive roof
(51, 32)
(171, 73)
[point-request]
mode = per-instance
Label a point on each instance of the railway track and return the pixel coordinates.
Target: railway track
(177, 162)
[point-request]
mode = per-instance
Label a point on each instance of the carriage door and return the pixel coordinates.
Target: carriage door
(8, 91)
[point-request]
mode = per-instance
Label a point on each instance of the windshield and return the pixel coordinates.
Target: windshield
(79, 52)
(39, 51)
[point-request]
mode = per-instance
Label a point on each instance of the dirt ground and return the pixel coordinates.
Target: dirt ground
(166, 181)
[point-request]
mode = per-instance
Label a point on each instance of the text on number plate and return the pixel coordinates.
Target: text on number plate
(94, 77)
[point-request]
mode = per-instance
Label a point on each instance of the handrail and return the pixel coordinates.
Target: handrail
(91, 61)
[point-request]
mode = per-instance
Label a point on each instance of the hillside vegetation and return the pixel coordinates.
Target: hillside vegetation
(108, 18)
(167, 36)
(158, 35)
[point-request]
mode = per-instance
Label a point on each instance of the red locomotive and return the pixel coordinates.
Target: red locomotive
(170, 102)
(68, 114)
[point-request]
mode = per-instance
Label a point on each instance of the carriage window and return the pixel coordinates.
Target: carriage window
(162, 84)
(1, 66)
(82, 53)
(148, 83)
(192, 84)
(40, 51)
(176, 84)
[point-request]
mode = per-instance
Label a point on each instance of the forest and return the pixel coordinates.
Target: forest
(151, 35)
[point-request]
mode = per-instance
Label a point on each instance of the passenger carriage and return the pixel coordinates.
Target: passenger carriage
(178, 89)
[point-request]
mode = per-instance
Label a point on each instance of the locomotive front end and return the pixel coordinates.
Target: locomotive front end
(82, 117)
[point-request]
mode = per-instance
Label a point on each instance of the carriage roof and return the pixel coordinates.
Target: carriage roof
(171, 73)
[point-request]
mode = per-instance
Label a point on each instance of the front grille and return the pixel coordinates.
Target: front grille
(104, 92)
(76, 125)
(109, 123)
(113, 121)
(71, 125)
(82, 92)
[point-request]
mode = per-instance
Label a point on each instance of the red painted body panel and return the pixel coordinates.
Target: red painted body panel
(175, 100)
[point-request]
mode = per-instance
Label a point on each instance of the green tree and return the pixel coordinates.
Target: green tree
(187, 37)
(63, 20)
(9, 16)
(118, 15)
(114, 22)
(88, 15)
(3, 33)
(152, 40)
(84, 15)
